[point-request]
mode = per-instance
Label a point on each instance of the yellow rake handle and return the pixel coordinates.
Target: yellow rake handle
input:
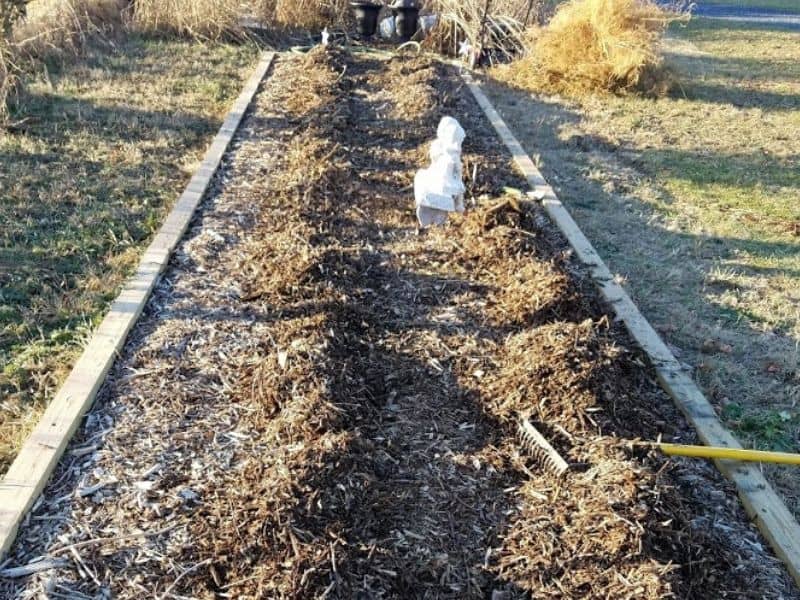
(784, 458)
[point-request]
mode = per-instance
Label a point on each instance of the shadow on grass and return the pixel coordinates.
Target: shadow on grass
(739, 97)
(700, 25)
(737, 170)
(70, 200)
(737, 67)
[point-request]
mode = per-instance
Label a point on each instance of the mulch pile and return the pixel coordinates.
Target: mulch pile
(322, 400)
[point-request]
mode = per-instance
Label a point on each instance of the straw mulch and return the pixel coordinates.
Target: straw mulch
(596, 46)
(320, 401)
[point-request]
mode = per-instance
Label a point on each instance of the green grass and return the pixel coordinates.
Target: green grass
(728, 169)
(764, 429)
(101, 149)
(789, 6)
(693, 201)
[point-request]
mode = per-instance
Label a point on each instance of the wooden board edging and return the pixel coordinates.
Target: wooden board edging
(39, 455)
(760, 500)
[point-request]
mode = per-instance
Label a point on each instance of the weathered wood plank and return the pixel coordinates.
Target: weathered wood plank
(41, 452)
(766, 508)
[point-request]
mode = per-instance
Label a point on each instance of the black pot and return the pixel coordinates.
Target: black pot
(366, 17)
(405, 21)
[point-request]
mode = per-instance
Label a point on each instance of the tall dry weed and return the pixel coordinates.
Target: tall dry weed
(488, 25)
(58, 27)
(201, 19)
(11, 11)
(310, 15)
(36, 30)
(7, 79)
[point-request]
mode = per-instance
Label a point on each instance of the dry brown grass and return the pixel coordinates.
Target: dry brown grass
(594, 46)
(10, 12)
(51, 28)
(202, 19)
(311, 14)
(7, 79)
(55, 27)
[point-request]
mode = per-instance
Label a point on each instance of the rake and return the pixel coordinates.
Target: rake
(543, 452)
(721, 453)
(540, 449)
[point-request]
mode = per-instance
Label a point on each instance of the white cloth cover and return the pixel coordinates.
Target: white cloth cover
(439, 190)
(428, 22)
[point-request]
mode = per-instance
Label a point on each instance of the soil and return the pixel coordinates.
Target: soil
(321, 400)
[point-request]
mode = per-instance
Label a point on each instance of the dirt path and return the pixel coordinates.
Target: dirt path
(320, 400)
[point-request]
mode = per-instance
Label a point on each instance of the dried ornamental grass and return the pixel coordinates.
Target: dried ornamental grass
(311, 14)
(6, 78)
(58, 27)
(202, 19)
(595, 46)
(487, 25)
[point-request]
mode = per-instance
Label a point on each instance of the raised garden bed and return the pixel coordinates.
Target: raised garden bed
(321, 399)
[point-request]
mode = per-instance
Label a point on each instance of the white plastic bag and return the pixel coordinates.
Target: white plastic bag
(387, 28)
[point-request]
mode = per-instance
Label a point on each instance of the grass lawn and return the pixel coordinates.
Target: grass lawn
(693, 201)
(789, 6)
(101, 150)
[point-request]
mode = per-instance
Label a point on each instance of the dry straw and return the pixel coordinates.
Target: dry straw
(6, 78)
(57, 27)
(306, 14)
(201, 19)
(596, 45)
(218, 19)
(11, 11)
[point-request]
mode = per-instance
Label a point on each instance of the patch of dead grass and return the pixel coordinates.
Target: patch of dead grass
(200, 19)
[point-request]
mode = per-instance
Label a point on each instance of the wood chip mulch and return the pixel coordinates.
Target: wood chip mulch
(321, 400)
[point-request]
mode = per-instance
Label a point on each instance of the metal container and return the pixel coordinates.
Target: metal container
(406, 16)
(366, 17)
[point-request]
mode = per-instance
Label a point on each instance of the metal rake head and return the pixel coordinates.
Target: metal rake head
(540, 449)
